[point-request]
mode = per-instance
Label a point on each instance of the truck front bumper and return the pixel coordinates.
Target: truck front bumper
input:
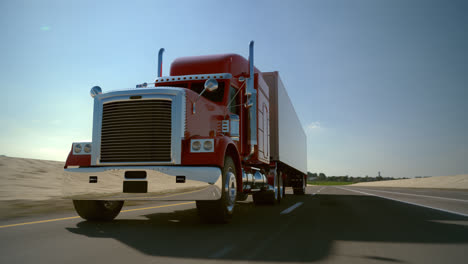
(161, 183)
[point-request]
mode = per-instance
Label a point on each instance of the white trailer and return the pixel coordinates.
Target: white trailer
(288, 143)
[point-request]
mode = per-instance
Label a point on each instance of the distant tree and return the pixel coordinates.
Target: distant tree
(311, 175)
(322, 176)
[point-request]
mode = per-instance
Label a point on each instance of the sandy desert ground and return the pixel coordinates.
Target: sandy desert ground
(31, 186)
(443, 182)
(30, 179)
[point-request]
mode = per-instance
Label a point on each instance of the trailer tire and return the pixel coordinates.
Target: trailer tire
(284, 189)
(221, 211)
(280, 188)
(300, 190)
(93, 210)
(242, 196)
(259, 198)
(270, 197)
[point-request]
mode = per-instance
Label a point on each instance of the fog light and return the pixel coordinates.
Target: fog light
(196, 145)
(208, 145)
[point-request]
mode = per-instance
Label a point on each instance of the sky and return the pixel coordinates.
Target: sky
(378, 85)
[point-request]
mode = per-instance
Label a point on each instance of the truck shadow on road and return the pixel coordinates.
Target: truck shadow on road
(261, 233)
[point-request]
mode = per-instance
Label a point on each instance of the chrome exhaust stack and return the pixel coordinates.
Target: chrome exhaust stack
(251, 103)
(160, 55)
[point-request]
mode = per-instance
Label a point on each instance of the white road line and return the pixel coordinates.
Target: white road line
(74, 217)
(428, 196)
(393, 199)
(318, 191)
(222, 252)
(290, 209)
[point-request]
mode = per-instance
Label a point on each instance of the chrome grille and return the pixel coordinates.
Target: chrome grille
(136, 131)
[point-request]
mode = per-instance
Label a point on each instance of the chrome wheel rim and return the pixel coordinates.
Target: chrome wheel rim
(280, 186)
(231, 190)
(276, 187)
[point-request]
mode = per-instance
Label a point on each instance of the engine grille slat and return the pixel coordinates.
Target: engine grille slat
(134, 160)
(131, 122)
(136, 128)
(113, 133)
(119, 150)
(149, 154)
(126, 105)
(136, 145)
(137, 141)
(131, 103)
(135, 156)
(138, 138)
(124, 114)
(136, 131)
(123, 129)
(137, 121)
(153, 149)
(147, 109)
(122, 109)
(142, 115)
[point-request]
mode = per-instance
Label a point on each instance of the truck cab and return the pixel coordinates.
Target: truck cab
(202, 133)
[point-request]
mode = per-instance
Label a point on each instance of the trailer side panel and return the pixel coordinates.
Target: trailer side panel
(287, 137)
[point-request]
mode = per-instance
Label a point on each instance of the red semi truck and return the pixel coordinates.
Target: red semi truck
(214, 131)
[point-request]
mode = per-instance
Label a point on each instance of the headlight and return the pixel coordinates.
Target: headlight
(87, 148)
(82, 148)
(208, 145)
(78, 148)
(196, 145)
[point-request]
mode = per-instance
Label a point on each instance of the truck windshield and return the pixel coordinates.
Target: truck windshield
(216, 96)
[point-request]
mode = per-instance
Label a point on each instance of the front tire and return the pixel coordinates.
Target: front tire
(98, 210)
(221, 211)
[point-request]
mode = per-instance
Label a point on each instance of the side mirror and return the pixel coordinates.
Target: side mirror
(211, 85)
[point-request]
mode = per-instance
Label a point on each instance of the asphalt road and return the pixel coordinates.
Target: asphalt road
(327, 225)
